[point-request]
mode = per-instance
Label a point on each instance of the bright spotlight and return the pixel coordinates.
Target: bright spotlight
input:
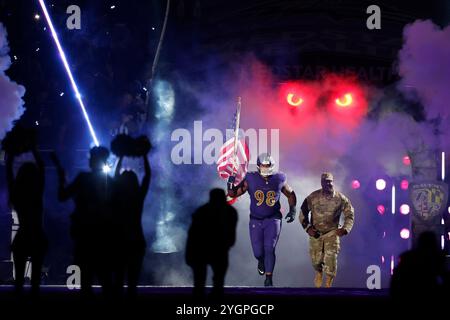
(380, 184)
(404, 233)
(346, 101)
(106, 169)
(404, 209)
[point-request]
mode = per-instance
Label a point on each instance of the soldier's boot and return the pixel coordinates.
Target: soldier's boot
(328, 281)
(318, 279)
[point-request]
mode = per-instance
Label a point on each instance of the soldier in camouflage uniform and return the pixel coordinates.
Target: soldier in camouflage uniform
(326, 206)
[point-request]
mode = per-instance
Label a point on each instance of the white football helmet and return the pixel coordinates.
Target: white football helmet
(268, 162)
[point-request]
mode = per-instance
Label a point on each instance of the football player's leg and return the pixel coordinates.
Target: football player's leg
(272, 229)
(257, 238)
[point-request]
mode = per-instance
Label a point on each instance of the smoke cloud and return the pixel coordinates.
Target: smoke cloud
(11, 93)
(425, 70)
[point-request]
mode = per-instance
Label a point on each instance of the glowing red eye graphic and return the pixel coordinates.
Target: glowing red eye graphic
(294, 101)
(345, 101)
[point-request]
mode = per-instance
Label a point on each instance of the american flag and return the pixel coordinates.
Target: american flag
(228, 164)
(234, 155)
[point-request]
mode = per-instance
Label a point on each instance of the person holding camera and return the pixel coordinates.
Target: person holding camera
(319, 216)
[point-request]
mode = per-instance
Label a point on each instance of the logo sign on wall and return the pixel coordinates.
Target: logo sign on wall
(429, 200)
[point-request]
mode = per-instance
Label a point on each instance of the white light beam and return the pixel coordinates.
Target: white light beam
(69, 72)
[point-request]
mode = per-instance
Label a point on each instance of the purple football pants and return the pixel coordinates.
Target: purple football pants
(264, 236)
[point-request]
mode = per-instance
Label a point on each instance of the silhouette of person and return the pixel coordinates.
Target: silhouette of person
(25, 195)
(210, 237)
(129, 241)
(421, 271)
(90, 221)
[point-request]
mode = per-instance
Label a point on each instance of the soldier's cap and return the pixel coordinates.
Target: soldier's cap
(327, 176)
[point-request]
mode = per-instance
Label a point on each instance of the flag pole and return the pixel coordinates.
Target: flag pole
(236, 130)
(230, 182)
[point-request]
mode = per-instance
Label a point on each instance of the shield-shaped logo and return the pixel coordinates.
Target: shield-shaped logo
(429, 200)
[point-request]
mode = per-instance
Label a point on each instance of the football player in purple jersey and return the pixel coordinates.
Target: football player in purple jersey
(265, 188)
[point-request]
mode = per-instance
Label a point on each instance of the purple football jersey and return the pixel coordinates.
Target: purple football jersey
(265, 194)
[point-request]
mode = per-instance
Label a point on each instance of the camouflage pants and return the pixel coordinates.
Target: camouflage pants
(324, 252)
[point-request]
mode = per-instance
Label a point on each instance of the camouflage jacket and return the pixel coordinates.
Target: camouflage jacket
(326, 211)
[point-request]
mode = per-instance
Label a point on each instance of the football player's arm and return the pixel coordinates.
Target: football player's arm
(238, 190)
(292, 200)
